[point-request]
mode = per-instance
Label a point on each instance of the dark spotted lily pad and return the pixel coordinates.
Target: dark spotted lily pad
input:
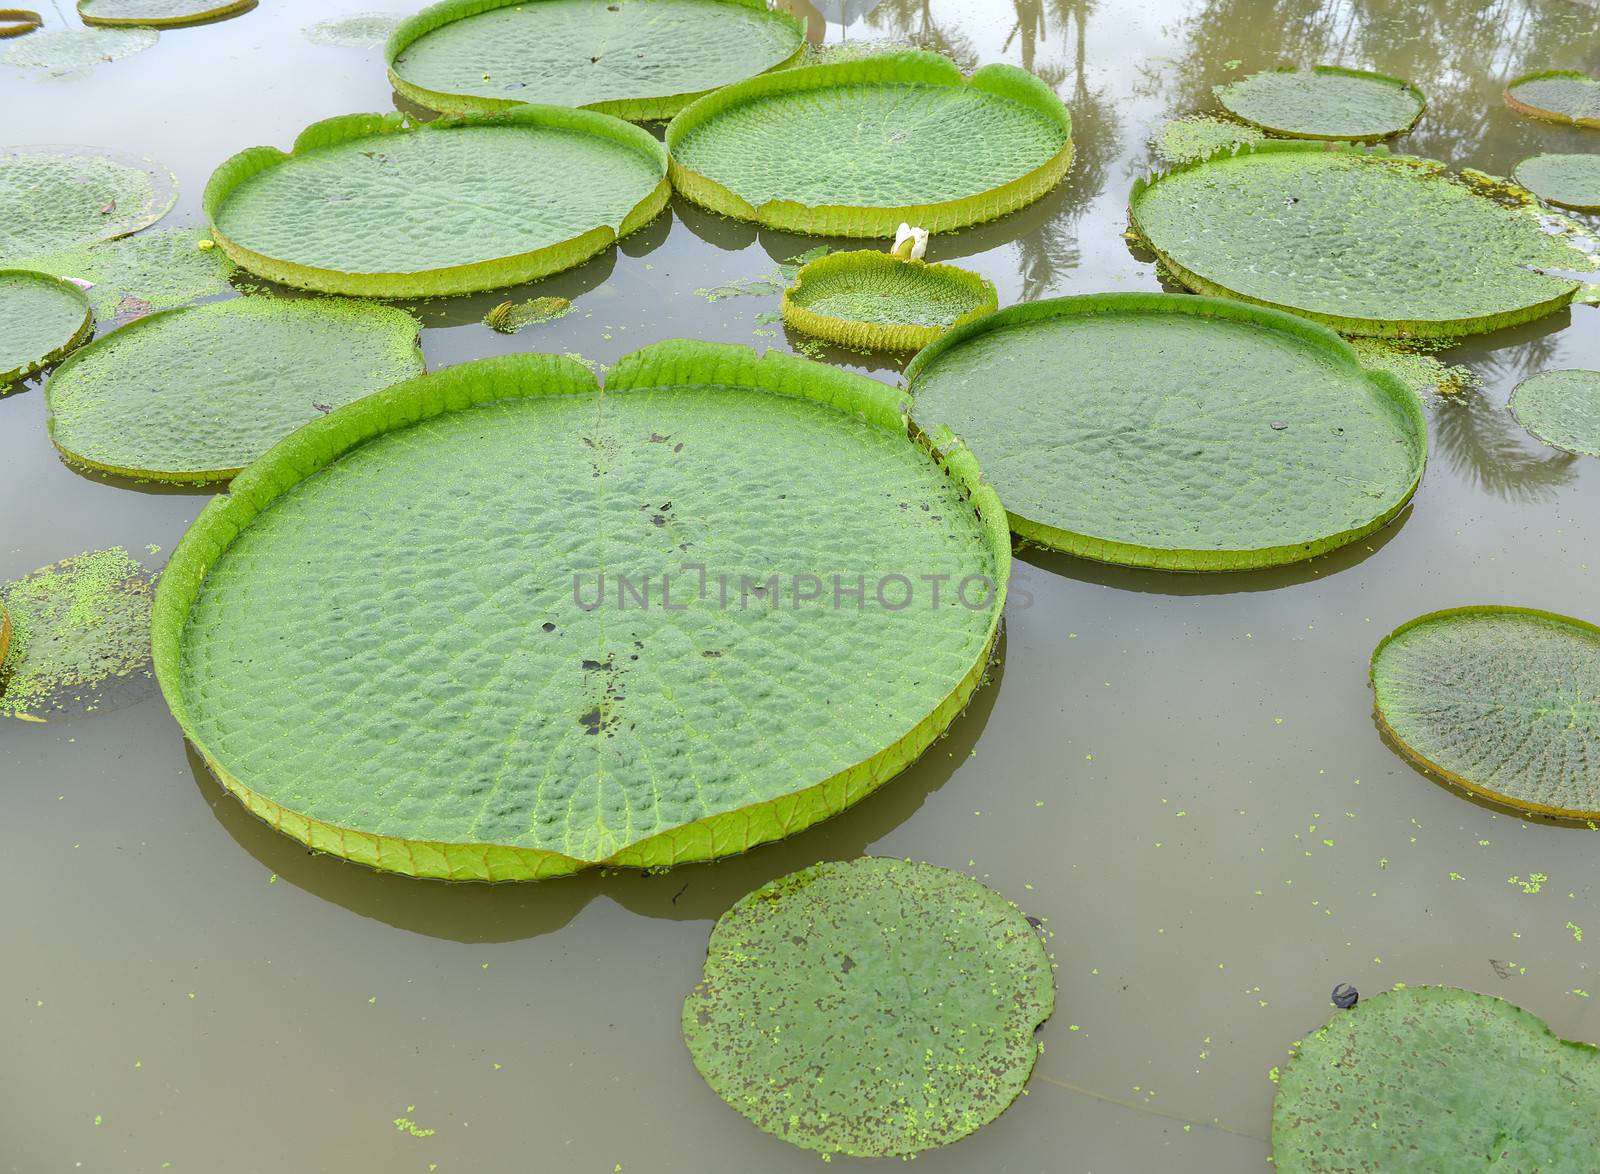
(872, 1008)
(1561, 408)
(1567, 181)
(1324, 102)
(41, 319)
(1557, 95)
(874, 301)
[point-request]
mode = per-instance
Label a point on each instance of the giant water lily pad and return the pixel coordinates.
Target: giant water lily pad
(1557, 95)
(872, 300)
(41, 319)
(160, 14)
(856, 148)
(1567, 181)
(871, 1008)
(133, 275)
(1436, 1078)
(196, 394)
(71, 50)
(1561, 408)
(1368, 243)
(372, 205)
(1162, 430)
(636, 59)
(1503, 701)
(54, 198)
(1324, 102)
(476, 558)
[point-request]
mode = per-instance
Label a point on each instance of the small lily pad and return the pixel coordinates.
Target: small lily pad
(1561, 408)
(1557, 95)
(1503, 701)
(1324, 102)
(54, 198)
(365, 30)
(156, 270)
(1567, 181)
(874, 1007)
(873, 301)
(41, 319)
(1198, 136)
(158, 14)
(17, 22)
(69, 50)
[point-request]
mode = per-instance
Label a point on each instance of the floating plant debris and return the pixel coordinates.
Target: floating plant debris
(1409, 361)
(1567, 181)
(156, 270)
(873, 1007)
(636, 59)
(1140, 429)
(1436, 1078)
(615, 653)
(41, 319)
(871, 300)
(17, 22)
(196, 394)
(373, 205)
(54, 198)
(510, 317)
(1198, 136)
(161, 14)
(857, 148)
(366, 30)
(1366, 242)
(70, 50)
(1324, 102)
(1561, 408)
(1503, 701)
(1557, 95)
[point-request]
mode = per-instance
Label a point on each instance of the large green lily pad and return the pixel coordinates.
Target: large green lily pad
(1567, 181)
(1503, 701)
(198, 393)
(391, 638)
(41, 319)
(1162, 430)
(1369, 243)
(159, 14)
(856, 148)
(71, 50)
(872, 300)
(1324, 102)
(1557, 95)
(636, 59)
(872, 1008)
(1435, 1078)
(54, 198)
(133, 275)
(374, 205)
(1561, 408)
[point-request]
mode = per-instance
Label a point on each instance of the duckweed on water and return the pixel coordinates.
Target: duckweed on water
(1410, 362)
(1561, 408)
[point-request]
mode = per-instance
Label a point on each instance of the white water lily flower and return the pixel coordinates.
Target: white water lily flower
(910, 243)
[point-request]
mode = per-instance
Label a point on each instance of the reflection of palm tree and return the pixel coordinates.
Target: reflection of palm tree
(1485, 446)
(912, 20)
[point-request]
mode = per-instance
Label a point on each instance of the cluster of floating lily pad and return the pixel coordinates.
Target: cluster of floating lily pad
(782, 673)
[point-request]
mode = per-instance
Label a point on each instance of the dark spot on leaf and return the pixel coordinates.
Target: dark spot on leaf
(590, 722)
(547, 626)
(848, 964)
(1345, 996)
(711, 652)
(1279, 425)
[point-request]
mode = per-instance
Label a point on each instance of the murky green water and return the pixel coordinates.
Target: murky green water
(1180, 774)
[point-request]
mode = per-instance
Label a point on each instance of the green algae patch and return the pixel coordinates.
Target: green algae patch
(857, 148)
(660, 623)
(159, 14)
(874, 301)
(71, 50)
(374, 205)
(1412, 364)
(1324, 102)
(1561, 408)
(18, 22)
(133, 275)
(365, 30)
(1436, 1078)
(54, 198)
(1174, 432)
(1199, 136)
(510, 317)
(1366, 242)
(41, 319)
(194, 395)
(1502, 701)
(1557, 95)
(873, 1007)
(1567, 181)
(635, 59)
(78, 627)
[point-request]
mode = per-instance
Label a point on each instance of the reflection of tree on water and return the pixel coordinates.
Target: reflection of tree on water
(912, 20)
(1487, 447)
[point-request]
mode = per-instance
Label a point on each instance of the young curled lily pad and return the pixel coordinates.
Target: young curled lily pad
(1561, 408)
(1567, 181)
(1502, 701)
(1436, 1078)
(1557, 95)
(510, 317)
(159, 14)
(41, 319)
(873, 301)
(1324, 102)
(54, 198)
(372, 205)
(874, 1008)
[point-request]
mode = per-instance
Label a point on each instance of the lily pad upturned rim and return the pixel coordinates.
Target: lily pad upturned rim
(645, 109)
(1132, 554)
(852, 332)
(222, 10)
(1533, 111)
(1499, 799)
(5, 632)
(318, 444)
(84, 330)
(909, 68)
(1338, 71)
(18, 22)
(1593, 205)
(1529, 420)
(492, 273)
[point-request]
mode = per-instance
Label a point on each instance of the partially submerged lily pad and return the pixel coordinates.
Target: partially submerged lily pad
(857, 148)
(1557, 95)
(78, 628)
(1146, 429)
(874, 301)
(69, 50)
(160, 14)
(1198, 136)
(133, 275)
(1567, 181)
(873, 1008)
(41, 319)
(1366, 242)
(54, 198)
(372, 205)
(1503, 701)
(463, 557)
(1324, 102)
(1436, 1078)
(365, 30)
(1561, 408)
(636, 59)
(510, 317)
(196, 394)
(17, 22)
